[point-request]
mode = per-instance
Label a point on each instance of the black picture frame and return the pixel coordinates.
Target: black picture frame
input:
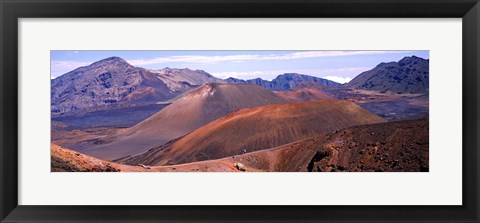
(11, 11)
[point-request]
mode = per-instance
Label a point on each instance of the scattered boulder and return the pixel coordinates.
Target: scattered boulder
(240, 167)
(144, 166)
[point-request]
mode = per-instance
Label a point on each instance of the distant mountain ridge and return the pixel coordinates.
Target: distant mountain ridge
(181, 80)
(285, 81)
(113, 82)
(409, 75)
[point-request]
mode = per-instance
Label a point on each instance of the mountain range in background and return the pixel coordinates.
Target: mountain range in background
(113, 93)
(284, 82)
(409, 75)
(114, 83)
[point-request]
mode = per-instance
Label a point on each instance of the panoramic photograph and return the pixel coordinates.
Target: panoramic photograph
(239, 111)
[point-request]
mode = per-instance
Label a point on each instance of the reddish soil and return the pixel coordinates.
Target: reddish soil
(305, 94)
(66, 160)
(140, 93)
(258, 128)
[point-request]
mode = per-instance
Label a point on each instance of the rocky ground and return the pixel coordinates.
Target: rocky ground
(392, 147)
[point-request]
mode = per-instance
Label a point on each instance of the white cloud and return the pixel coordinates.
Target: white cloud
(341, 80)
(60, 67)
(347, 69)
(250, 57)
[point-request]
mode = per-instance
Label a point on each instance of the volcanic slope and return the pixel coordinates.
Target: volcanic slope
(305, 94)
(258, 128)
(401, 146)
(193, 110)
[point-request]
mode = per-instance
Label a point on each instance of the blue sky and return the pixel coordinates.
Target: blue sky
(340, 66)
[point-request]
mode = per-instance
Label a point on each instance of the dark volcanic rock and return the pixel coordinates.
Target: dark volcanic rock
(284, 82)
(104, 84)
(181, 80)
(385, 147)
(409, 75)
